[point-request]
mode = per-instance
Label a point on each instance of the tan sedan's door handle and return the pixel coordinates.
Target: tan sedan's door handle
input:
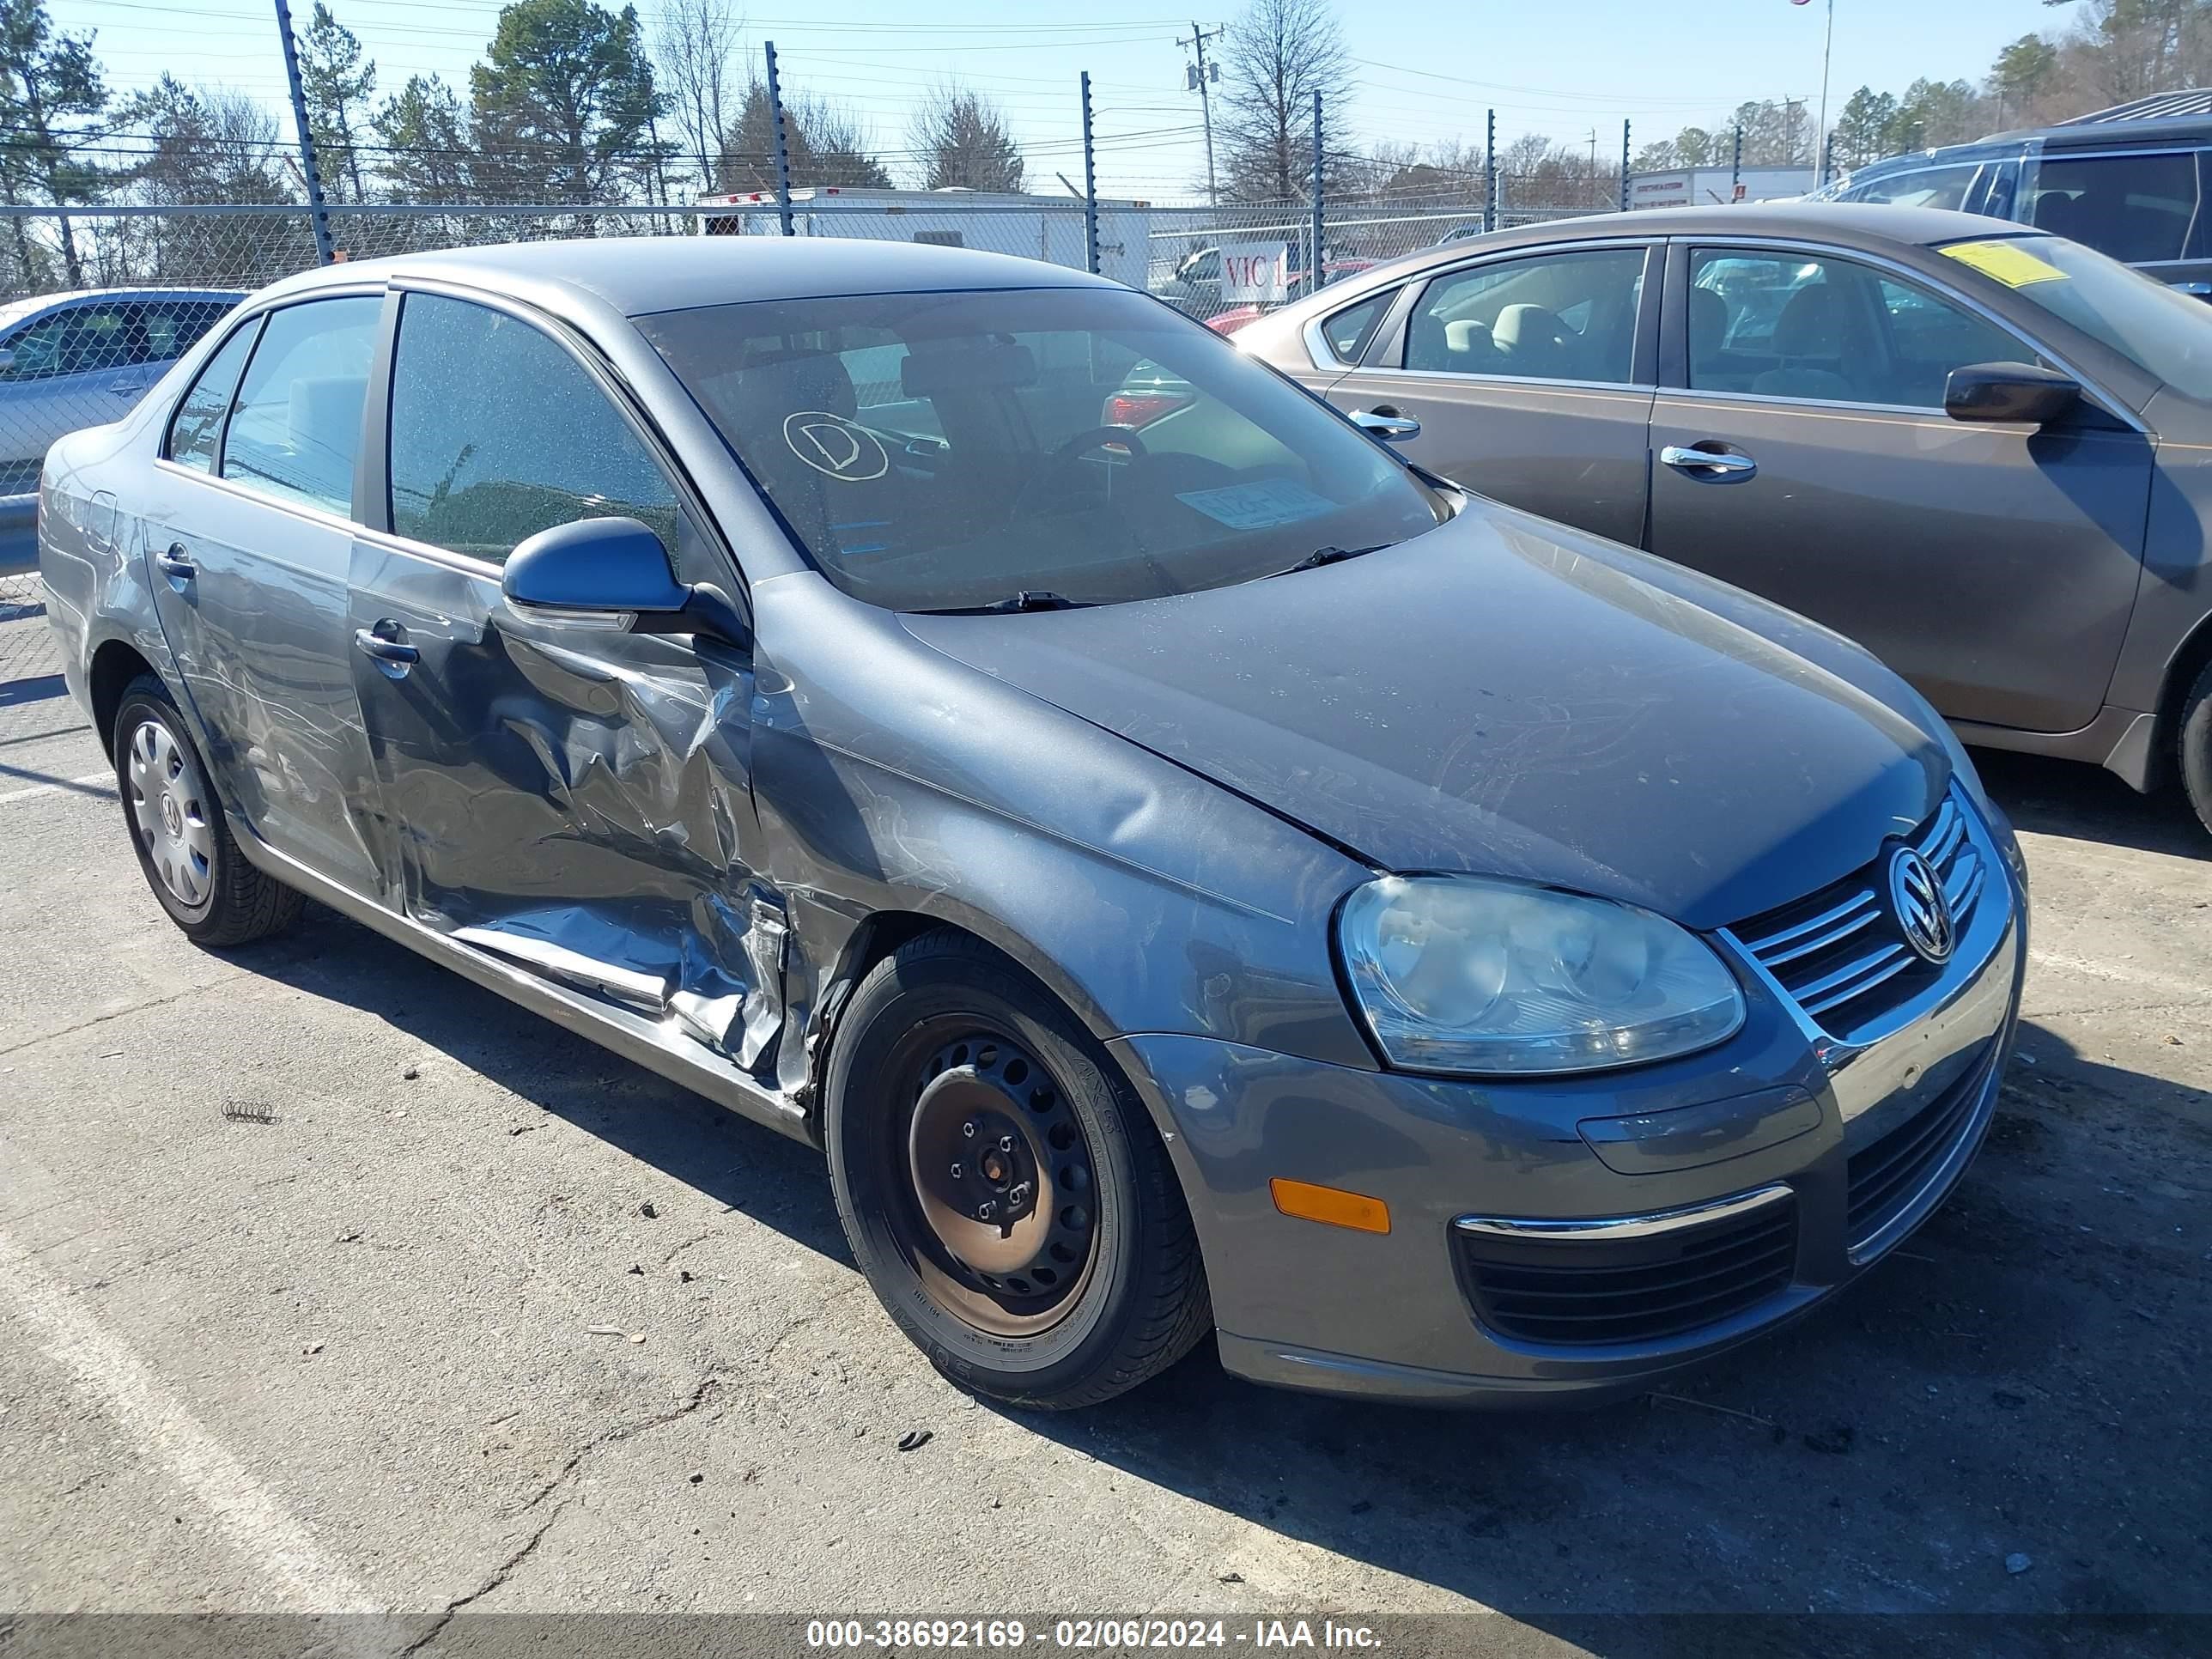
(1717, 466)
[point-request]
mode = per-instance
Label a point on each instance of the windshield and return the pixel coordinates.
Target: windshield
(952, 451)
(2163, 332)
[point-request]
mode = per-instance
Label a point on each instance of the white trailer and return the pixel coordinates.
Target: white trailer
(1708, 186)
(1047, 228)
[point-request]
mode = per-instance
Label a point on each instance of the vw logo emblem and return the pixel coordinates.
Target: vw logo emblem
(1924, 914)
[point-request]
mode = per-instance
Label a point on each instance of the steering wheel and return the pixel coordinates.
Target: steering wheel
(1065, 455)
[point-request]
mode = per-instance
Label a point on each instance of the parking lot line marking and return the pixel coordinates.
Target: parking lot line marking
(123, 1389)
(60, 785)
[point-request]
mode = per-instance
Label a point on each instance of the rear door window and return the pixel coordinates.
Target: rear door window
(2140, 207)
(198, 428)
(297, 426)
(1937, 187)
(1553, 317)
(176, 327)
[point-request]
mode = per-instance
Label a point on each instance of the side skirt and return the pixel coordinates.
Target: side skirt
(2118, 739)
(673, 1056)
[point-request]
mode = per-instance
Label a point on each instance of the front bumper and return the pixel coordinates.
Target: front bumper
(1845, 1150)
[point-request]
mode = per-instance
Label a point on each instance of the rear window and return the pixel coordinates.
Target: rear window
(949, 451)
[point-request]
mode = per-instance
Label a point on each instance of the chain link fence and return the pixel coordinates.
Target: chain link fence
(96, 303)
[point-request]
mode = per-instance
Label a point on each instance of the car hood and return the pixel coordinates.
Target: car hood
(1503, 696)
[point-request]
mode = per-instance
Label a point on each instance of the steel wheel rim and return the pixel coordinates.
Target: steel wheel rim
(171, 805)
(1020, 1269)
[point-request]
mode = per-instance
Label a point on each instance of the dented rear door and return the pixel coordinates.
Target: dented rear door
(574, 799)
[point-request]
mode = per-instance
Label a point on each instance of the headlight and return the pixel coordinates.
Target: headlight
(1463, 974)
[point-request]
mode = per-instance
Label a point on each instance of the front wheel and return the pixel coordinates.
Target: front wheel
(179, 831)
(1002, 1188)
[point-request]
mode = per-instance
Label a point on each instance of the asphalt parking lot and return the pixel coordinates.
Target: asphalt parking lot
(330, 1282)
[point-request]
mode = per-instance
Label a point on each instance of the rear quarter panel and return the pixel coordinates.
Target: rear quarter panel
(92, 554)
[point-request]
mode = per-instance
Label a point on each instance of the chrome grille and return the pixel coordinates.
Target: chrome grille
(1840, 953)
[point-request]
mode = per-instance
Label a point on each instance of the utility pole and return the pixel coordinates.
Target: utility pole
(1624, 166)
(318, 210)
(1593, 167)
(1203, 77)
(1820, 138)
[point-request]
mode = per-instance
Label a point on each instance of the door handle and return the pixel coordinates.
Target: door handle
(373, 642)
(1386, 423)
(124, 388)
(176, 564)
(1716, 465)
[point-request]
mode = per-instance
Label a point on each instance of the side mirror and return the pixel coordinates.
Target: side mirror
(2018, 393)
(7, 359)
(613, 574)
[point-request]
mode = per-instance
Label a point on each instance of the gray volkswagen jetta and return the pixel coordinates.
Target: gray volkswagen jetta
(1212, 877)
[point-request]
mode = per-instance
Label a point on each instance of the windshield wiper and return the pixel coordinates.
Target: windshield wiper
(1029, 598)
(1322, 556)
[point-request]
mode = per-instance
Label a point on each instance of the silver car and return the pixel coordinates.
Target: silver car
(1212, 878)
(83, 359)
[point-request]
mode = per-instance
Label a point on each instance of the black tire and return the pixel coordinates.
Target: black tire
(223, 900)
(1132, 1304)
(2194, 742)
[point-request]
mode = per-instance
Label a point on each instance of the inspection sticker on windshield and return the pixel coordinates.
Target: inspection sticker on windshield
(2009, 263)
(1256, 505)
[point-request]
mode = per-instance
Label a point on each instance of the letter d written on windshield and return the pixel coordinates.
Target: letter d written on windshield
(831, 443)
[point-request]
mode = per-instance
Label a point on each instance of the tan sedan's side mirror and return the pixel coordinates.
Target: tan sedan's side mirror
(2016, 392)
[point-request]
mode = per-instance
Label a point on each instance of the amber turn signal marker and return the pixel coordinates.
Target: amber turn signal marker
(1330, 1203)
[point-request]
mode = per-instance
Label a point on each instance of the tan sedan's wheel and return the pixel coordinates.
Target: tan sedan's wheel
(2195, 745)
(179, 831)
(1002, 1188)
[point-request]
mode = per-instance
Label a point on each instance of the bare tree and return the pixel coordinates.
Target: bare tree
(1278, 54)
(962, 141)
(695, 48)
(210, 146)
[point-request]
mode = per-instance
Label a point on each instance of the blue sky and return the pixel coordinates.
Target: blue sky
(1426, 68)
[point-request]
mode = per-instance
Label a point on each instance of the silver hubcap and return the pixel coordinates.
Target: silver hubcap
(169, 800)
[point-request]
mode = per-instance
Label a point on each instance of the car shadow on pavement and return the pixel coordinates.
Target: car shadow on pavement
(733, 1161)
(2014, 1384)
(2086, 802)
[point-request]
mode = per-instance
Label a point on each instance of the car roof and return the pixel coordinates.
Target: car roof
(2168, 118)
(15, 310)
(636, 276)
(1873, 227)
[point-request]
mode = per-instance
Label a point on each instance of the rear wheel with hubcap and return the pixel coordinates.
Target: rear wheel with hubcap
(1001, 1187)
(179, 831)
(2195, 745)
